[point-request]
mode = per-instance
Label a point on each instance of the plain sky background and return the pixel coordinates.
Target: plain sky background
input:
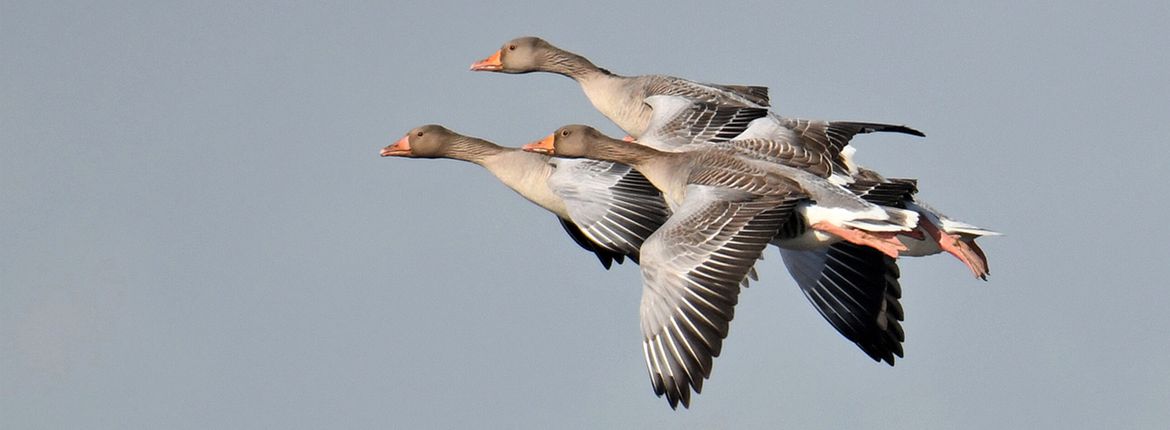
(196, 230)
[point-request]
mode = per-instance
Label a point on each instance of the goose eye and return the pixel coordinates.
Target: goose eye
(564, 133)
(511, 47)
(419, 134)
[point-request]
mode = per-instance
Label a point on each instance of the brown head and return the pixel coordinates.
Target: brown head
(436, 141)
(519, 55)
(572, 141)
(533, 54)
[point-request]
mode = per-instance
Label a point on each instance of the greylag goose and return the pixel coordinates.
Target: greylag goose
(618, 97)
(853, 287)
(680, 124)
(726, 209)
(608, 209)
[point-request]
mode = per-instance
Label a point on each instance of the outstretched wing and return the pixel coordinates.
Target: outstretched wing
(692, 269)
(680, 124)
(677, 122)
(613, 206)
(827, 139)
(752, 96)
(856, 289)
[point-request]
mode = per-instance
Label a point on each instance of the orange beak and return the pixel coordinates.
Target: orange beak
(542, 146)
(489, 64)
(400, 148)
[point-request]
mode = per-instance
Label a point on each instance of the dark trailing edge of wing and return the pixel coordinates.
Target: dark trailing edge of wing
(606, 256)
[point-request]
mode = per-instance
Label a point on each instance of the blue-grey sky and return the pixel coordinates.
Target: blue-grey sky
(196, 230)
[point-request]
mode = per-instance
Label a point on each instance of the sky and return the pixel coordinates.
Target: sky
(196, 230)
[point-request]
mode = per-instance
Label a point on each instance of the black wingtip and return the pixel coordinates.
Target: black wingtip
(606, 261)
(910, 131)
(877, 353)
(870, 127)
(676, 399)
(892, 128)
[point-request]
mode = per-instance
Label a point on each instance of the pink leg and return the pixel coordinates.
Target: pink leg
(628, 139)
(967, 252)
(884, 242)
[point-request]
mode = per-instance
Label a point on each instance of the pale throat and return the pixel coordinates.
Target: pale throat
(527, 174)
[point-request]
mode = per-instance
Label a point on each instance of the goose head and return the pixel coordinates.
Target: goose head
(571, 141)
(520, 55)
(428, 141)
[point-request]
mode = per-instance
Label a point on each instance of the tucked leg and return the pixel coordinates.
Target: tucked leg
(884, 242)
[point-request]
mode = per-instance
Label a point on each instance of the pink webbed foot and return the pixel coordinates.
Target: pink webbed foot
(881, 241)
(967, 252)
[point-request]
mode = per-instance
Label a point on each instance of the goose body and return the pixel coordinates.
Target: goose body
(855, 288)
(726, 209)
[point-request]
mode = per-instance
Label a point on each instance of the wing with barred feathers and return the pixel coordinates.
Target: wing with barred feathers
(692, 269)
(613, 207)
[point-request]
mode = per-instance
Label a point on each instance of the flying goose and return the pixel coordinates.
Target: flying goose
(617, 97)
(608, 209)
(726, 209)
(853, 287)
